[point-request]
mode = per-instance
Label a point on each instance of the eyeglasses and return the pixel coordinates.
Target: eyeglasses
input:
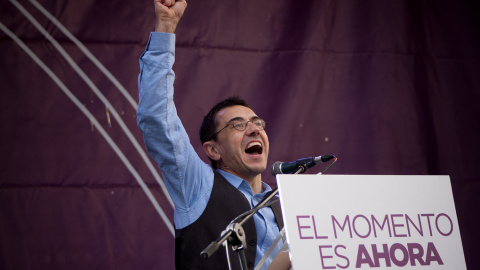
(241, 125)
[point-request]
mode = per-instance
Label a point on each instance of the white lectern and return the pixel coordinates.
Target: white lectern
(363, 222)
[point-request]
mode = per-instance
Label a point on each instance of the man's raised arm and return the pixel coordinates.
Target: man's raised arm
(188, 179)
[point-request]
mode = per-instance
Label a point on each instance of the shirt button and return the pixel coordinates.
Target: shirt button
(252, 243)
(249, 264)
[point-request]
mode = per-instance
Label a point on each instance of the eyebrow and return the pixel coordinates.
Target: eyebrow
(241, 118)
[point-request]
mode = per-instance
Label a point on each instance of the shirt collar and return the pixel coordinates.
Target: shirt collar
(242, 184)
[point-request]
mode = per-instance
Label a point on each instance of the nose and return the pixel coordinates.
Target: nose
(252, 129)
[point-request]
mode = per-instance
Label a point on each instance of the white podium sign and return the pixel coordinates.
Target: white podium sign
(363, 222)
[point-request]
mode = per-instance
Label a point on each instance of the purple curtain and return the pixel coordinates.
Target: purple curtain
(389, 87)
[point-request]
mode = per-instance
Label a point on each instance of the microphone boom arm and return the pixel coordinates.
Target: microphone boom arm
(234, 233)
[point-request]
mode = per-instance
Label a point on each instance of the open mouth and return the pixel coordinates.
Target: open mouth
(254, 148)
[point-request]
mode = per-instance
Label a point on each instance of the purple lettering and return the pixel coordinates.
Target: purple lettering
(315, 230)
(341, 256)
(325, 257)
(420, 231)
(345, 223)
(394, 259)
(428, 219)
(394, 225)
(302, 227)
(363, 257)
(432, 254)
(385, 220)
(398, 254)
(355, 229)
(415, 256)
(451, 224)
(381, 255)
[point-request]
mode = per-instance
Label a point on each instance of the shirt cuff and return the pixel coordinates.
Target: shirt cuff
(159, 41)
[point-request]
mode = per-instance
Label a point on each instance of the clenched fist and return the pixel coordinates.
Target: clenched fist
(168, 14)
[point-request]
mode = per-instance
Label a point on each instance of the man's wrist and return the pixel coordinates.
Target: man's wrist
(165, 27)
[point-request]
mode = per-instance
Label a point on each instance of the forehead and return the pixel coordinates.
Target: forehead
(228, 113)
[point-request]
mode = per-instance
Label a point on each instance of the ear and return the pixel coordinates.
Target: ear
(210, 149)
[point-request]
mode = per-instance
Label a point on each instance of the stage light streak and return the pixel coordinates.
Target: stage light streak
(87, 113)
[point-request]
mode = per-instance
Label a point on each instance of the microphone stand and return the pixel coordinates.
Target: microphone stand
(234, 233)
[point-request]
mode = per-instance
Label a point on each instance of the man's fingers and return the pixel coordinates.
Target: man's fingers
(168, 3)
(179, 7)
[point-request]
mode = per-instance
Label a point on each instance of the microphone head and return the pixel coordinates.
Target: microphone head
(276, 169)
(326, 158)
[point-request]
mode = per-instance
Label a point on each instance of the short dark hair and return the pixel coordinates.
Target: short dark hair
(209, 125)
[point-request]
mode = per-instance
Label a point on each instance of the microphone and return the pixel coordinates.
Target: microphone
(291, 167)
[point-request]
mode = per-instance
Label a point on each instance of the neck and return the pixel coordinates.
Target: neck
(256, 184)
(255, 181)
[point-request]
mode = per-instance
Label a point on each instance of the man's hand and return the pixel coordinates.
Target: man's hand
(168, 14)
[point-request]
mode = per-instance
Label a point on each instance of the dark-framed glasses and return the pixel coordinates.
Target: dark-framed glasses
(241, 125)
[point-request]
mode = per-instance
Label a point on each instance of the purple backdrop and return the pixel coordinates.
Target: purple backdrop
(389, 87)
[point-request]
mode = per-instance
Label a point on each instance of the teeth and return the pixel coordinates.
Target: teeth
(252, 144)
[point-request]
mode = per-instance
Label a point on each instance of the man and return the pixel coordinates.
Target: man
(233, 138)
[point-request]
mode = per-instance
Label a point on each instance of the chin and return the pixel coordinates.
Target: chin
(258, 166)
(259, 169)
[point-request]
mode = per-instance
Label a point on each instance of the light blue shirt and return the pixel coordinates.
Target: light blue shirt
(188, 179)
